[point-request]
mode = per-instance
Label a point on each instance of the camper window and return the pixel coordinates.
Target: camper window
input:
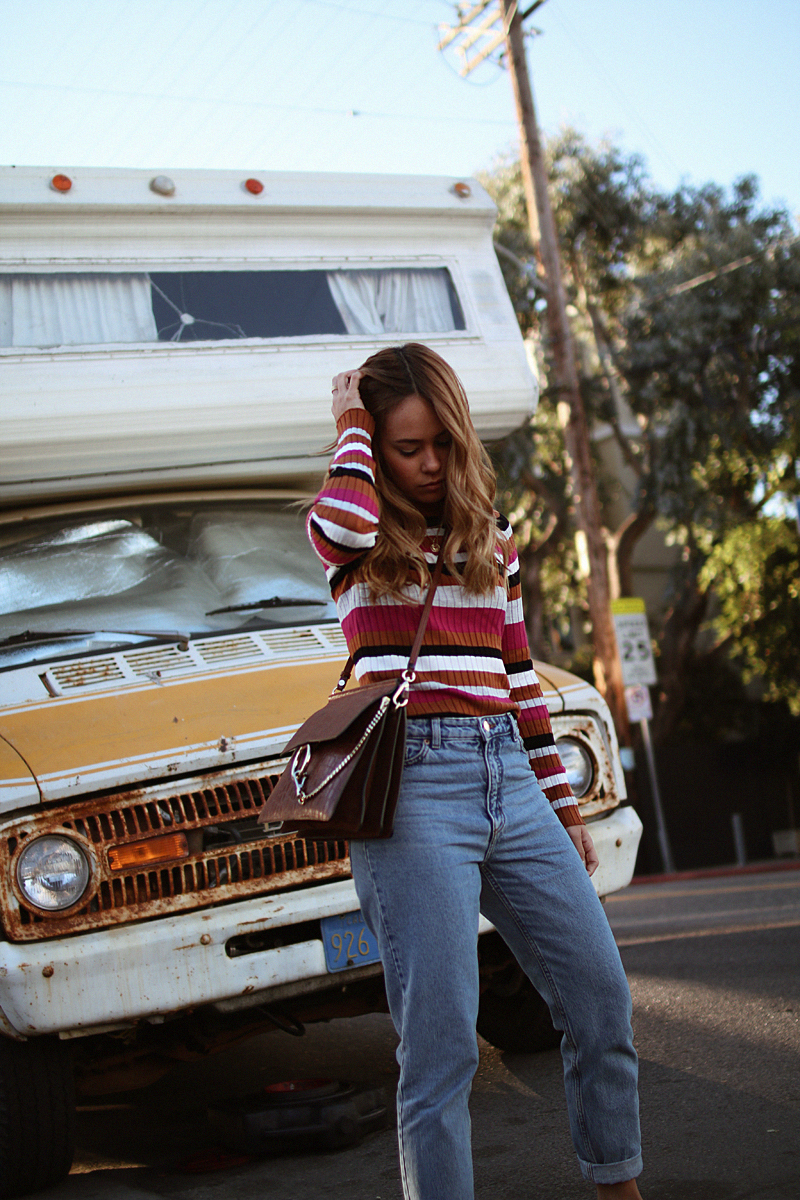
(93, 308)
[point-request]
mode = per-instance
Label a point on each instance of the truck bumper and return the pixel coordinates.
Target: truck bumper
(616, 838)
(91, 982)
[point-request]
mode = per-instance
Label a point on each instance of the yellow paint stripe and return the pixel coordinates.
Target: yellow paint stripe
(123, 687)
(271, 740)
(156, 722)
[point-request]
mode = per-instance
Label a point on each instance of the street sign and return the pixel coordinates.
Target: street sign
(633, 640)
(637, 701)
(638, 673)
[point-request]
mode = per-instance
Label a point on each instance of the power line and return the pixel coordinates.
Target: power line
(368, 12)
(347, 112)
(613, 89)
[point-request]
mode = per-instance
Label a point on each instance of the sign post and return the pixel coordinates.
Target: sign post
(638, 674)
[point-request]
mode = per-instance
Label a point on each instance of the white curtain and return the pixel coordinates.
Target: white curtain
(393, 301)
(75, 310)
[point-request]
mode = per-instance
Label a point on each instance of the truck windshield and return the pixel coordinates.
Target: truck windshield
(150, 573)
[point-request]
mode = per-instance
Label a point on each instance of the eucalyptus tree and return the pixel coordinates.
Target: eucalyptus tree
(686, 311)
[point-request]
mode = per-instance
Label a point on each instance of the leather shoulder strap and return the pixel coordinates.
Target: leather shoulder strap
(426, 611)
(423, 621)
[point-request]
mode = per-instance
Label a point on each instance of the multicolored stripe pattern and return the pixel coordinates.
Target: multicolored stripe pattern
(475, 659)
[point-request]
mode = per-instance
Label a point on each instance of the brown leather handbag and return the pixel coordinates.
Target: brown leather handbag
(344, 775)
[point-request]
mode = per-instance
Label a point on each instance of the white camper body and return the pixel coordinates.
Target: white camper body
(166, 349)
(130, 414)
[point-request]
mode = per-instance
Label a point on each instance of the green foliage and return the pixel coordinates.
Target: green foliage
(685, 310)
(533, 491)
(712, 371)
(504, 184)
(754, 572)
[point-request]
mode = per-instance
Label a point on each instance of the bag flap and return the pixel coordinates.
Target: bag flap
(341, 710)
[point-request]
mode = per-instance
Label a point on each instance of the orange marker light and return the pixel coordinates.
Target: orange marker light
(61, 183)
(146, 854)
(255, 186)
(462, 190)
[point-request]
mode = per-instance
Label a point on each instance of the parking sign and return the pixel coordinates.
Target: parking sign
(633, 640)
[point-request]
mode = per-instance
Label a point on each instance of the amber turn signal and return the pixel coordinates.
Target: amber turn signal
(146, 854)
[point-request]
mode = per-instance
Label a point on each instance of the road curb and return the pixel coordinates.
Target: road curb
(760, 868)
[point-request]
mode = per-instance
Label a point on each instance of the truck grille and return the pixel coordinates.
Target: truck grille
(230, 855)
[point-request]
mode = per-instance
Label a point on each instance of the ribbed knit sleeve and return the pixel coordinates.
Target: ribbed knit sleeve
(474, 660)
(533, 719)
(343, 524)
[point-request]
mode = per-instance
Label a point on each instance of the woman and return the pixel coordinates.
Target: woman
(476, 829)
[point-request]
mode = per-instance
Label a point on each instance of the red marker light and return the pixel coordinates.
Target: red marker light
(61, 183)
(254, 186)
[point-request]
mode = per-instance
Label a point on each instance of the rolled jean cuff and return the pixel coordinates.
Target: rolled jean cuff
(618, 1172)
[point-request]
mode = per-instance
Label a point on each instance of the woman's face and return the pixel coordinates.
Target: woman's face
(414, 448)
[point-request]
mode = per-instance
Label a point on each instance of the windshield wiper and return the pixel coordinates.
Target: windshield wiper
(31, 636)
(273, 602)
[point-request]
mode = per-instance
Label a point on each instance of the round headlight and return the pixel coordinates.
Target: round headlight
(578, 764)
(53, 872)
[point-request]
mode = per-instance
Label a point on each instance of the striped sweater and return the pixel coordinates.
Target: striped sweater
(475, 659)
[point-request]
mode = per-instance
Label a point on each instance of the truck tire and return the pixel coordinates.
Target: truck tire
(37, 1115)
(513, 1016)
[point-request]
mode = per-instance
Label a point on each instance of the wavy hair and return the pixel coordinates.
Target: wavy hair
(387, 378)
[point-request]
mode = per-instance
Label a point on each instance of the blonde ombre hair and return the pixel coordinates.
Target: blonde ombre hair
(387, 378)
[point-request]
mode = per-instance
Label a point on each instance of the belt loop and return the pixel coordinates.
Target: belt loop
(436, 733)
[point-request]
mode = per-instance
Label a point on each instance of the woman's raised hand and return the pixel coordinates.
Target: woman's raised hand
(345, 393)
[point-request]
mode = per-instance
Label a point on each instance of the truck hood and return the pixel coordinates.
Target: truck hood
(565, 690)
(17, 784)
(134, 734)
(135, 716)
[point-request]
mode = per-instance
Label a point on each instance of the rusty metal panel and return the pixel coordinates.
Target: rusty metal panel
(585, 729)
(229, 855)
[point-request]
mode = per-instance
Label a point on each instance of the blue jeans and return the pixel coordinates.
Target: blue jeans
(474, 832)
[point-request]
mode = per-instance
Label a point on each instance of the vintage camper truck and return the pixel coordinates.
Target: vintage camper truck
(167, 345)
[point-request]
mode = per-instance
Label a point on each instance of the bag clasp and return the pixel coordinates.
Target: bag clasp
(400, 696)
(299, 770)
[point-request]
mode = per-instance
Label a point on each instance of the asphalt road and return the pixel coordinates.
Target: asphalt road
(714, 967)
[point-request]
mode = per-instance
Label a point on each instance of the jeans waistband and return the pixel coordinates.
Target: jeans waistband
(437, 730)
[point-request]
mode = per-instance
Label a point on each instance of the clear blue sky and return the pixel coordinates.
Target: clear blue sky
(703, 89)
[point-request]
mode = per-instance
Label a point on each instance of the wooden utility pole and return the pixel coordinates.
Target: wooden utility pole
(608, 673)
(476, 36)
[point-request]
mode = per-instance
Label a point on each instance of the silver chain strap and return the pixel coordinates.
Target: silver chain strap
(302, 756)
